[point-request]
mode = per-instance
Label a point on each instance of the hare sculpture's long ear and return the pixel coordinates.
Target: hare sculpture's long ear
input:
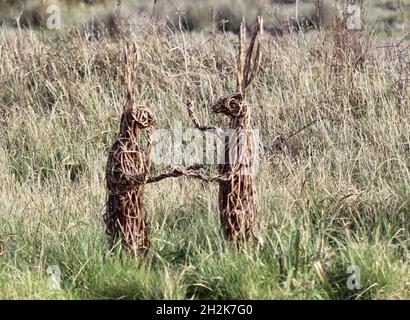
(248, 66)
(240, 59)
(130, 57)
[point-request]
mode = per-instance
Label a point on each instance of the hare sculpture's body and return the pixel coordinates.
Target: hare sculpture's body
(237, 192)
(127, 170)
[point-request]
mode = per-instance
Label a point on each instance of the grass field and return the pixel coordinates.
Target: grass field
(335, 195)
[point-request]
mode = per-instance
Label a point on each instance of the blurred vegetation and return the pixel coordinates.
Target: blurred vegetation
(205, 15)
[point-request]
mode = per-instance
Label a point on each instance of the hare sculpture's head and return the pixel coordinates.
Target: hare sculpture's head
(234, 105)
(137, 118)
(231, 106)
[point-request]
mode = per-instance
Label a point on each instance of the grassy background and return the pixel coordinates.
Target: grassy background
(337, 194)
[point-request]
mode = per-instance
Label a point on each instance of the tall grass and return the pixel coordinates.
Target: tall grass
(336, 194)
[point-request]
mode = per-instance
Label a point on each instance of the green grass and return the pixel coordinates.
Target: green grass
(337, 195)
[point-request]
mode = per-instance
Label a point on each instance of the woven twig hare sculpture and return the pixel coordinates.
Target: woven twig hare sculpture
(237, 192)
(128, 167)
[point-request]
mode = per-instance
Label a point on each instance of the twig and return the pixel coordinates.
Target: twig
(202, 127)
(191, 171)
(304, 128)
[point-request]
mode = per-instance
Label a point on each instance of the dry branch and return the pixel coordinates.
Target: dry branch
(191, 171)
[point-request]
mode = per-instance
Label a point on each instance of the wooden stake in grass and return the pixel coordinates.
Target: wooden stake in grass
(237, 192)
(128, 167)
